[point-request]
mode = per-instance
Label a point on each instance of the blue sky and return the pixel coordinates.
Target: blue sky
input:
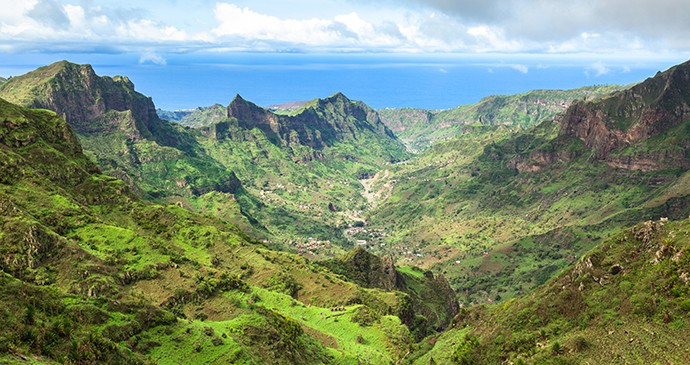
(243, 42)
(154, 29)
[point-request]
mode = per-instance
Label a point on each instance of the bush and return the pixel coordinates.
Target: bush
(580, 344)
(364, 316)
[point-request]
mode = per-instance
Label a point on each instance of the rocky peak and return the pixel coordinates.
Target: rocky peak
(250, 116)
(88, 102)
(627, 117)
(373, 271)
(319, 123)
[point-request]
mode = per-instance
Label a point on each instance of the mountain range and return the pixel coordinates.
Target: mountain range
(544, 227)
(94, 274)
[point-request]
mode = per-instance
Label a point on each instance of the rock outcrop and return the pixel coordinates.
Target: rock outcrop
(119, 127)
(319, 124)
(81, 97)
(631, 117)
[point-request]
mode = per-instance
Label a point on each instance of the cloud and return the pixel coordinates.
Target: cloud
(49, 12)
(520, 68)
(559, 25)
(152, 57)
(599, 69)
(48, 26)
(469, 26)
(247, 24)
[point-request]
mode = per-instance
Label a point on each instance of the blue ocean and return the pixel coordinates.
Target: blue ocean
(185, 81)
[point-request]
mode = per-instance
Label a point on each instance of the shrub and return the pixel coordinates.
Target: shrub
(580, 344)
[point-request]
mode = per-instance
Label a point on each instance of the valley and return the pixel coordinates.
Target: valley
(542, 227)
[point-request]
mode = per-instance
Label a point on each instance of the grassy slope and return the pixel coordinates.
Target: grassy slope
(495, 232)
(420, 129)
(307, 191)
(297, 197)
(122, 281)
(626, 301)
(160, 161)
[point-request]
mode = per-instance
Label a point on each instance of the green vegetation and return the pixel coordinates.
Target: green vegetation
(499, 212)
(300, 171)
(421, 129)
(201, 117)
(90, 273)
(304, 167)
(626, 301)
(133, 249)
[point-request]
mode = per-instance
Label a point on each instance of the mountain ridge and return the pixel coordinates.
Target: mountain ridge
(493, 202)
(91, 273)
(421, 128)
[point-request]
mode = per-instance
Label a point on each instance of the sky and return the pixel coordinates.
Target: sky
(154, 28)
(602, 37)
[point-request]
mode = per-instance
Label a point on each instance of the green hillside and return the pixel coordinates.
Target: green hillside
(498, 213)
(300, 172)
(92, 274)
(120, 131)
(304, 166)
(204, 116)
(625, 302)
(420, 129)
(129, 239)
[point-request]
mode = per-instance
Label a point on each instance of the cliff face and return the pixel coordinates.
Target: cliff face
(431, 297)
(120, 129)
(81, 97)
(631, 117)
(320, 124)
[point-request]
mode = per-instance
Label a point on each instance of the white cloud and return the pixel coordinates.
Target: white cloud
(469, 26)
(520, 68)
(492, 39)
(245, 23)
(355, 23)
(152, 57)
(147, 30)
(599, 69)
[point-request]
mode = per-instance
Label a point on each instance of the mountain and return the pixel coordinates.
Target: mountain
(91, 273)
(433, 301)
(498, 212)
(201, 117)
(305, 166)
(641, 128)
(320, 124)
(2, 80)
(286, 108)
(624, 302)
(420, 128)
(121, 132)
(320, 150)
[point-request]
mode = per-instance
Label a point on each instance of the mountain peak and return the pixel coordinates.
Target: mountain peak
(632, 116)
(83, 98)
(243, 109)
(338, 96)
(238, 98)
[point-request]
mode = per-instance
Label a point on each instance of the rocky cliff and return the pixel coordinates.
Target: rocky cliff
(432, 300)
(630, 118)
(318, 124)
(81, 97)
(119, 128)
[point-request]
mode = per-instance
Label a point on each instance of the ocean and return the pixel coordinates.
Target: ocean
(188, 81)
